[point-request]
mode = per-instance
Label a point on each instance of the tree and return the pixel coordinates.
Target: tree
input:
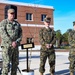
(65, 37)
(69, 30)
(58, 38)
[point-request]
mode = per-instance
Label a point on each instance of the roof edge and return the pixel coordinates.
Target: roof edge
(26, 4)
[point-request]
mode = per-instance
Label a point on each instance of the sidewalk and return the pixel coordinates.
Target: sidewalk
(61, 68)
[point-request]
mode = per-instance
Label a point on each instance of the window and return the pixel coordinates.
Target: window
(28, 16)
(42, 17)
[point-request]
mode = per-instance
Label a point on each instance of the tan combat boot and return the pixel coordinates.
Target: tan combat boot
(41, 73)
(71, 73)
(52, 74)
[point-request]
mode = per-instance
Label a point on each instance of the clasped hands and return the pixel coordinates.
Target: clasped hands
(48, 45)
(14, 44)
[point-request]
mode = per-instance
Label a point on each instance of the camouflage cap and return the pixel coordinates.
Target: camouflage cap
(47, 19)
(11, 11)
(73, 23)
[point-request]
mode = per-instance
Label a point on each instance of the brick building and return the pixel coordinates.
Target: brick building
(30, 16)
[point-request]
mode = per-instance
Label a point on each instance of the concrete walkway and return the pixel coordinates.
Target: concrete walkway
(61, 68)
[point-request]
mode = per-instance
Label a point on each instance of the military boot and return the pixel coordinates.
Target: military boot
(41, 73)
(71, 73)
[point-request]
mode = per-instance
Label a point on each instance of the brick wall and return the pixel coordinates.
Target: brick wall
(29, 31)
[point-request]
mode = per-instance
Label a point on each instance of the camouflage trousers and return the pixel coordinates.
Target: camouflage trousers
(72, 59)
(72, 63)
(51, 60)
(10, 55)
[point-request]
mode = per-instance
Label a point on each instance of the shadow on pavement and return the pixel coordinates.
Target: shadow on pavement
(31, 57)
(62, 72)
(67, 63)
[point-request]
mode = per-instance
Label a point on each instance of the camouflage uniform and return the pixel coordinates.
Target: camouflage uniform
(10, 32)
(47, 36)
(71, 39)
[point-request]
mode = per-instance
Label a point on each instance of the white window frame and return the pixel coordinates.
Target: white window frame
(29, 16)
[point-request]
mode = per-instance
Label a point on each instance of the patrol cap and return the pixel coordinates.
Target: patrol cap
(73, 23)
(11, 10)
(47, 19)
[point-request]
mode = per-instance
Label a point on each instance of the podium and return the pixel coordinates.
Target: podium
(27, 71)
(27, 46)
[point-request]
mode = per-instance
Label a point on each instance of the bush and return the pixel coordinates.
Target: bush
(64, 47)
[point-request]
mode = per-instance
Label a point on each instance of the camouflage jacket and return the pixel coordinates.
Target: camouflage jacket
(10, 32)
(71, 38)
(47, 36)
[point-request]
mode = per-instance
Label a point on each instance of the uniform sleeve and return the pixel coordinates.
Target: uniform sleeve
(53, 38)
(41, 39)
(3, 31)
(19, 34)
(71, 40)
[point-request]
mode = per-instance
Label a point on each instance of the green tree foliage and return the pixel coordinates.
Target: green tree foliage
(58, 38)
(62, 39)
(69, 30)
(65, 37)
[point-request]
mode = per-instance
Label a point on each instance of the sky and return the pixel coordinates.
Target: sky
(64, 13)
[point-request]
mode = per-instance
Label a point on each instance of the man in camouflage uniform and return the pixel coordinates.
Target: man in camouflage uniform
(47, 39)
(11, 35)
(71, 39)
